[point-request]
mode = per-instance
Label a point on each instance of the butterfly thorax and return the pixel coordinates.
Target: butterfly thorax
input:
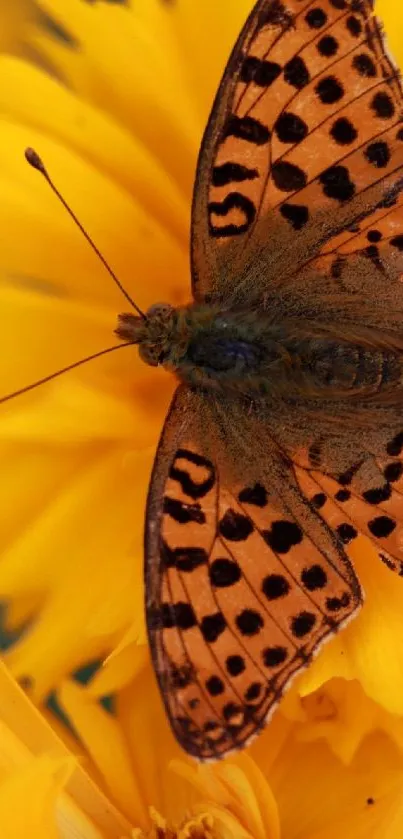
(251, 354)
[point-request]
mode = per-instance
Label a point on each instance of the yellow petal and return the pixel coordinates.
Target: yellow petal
(226, 826)
(26, 738)
(189, 21)
(141, 715)
(266, 802)
(120, 668)
(84, 528)
(138, 248)
(141, 102)
(30, 96)
(388, 11)
(73, 330)
(28, 799)
(106, 744)
(234, 792)
(342, 714)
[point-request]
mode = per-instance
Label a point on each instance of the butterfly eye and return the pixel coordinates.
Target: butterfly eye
(160, 311)
(151, 354)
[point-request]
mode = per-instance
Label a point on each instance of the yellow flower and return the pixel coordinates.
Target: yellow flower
(282, 788)
(115, 97)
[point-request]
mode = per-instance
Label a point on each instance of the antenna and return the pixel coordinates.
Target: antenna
(63, 370)
(36, 162)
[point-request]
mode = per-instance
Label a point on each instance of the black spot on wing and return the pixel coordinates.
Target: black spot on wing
(261, 73)
(343, 131)
(346, 477)
(346, 532)
(180, 677)
(296, 214)
(377, 495)
(233, 201)
(184, 559)
(288, 177)
(296, 73)
(169, 615)
(253, 692)
(228, 173)
(381, 526)
(319, 500)
(393, 472)
(249, 622)
(235, 527)
(235, 665)
(397, 242)
(302, 624)
(382, 105)
(255, 495)
(327, 46)
(189, 486)
(364, 65)
(329, 90)
(314, 578)
(224, 573)
(215, 686)
(343, 495)
(212, 626)
(337, 184)
(378, 154)
(275, 586)
(334, 604)
(354, 26)
(395, 446)
(183, 513)
(316, 18)
(283, 535)
(290, 128)
(274, 656)
(247, 128)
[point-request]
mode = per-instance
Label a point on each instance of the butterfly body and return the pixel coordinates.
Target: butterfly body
(258, 356)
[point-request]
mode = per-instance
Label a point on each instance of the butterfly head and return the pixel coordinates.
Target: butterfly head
(153, 333)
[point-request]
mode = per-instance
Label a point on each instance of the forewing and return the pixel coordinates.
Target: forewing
(240, 592)
(304, 142)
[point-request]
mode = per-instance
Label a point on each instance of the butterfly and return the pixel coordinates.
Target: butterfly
(284, 438)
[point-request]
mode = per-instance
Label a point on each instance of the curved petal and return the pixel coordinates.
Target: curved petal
(40, 763)
(31, 97)
(93, 589)
(106, 744)
(149, 63)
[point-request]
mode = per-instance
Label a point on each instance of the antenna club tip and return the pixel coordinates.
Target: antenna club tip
(32, 157)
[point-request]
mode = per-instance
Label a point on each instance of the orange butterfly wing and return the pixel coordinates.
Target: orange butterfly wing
(240, 594)
(366, 500)
(304, 140)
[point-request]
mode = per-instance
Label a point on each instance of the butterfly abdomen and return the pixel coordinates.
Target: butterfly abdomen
(353, 368)
(249, 353)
